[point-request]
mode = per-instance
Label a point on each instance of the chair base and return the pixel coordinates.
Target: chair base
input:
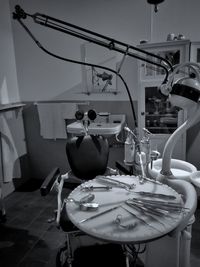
(82, 250)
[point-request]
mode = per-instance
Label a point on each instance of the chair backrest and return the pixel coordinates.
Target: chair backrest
(87, 155)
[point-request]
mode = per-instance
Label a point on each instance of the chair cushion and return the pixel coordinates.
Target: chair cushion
(87, 155)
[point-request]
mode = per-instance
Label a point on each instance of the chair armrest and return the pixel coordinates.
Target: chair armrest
(49, 181)
(127, 170)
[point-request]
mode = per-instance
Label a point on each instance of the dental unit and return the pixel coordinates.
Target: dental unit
(137, 153)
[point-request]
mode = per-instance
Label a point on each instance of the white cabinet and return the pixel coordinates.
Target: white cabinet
(154, 112)
(195, 52)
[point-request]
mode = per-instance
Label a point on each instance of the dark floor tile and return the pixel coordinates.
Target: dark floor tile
(24, 220)
(39, 228)
(20, 240)
(40, 251)
(52, 259)
(44, 250)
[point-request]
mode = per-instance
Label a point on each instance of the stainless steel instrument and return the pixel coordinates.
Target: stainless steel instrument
(89, 206)
(114, 182)
(154, 214)
(156, 195)
(95, 188)
(98, 214)
(139, 218)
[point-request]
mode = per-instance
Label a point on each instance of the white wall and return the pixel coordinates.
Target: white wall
(8, 76)
(177, 16)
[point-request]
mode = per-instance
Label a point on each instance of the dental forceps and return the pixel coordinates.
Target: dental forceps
(116, 183)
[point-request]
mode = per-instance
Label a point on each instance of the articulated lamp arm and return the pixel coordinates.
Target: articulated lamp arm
(93, 37)
(101, 40)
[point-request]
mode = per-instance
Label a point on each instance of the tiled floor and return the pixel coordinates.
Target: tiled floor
(28, 239)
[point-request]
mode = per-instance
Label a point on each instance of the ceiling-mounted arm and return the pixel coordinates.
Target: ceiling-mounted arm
(21, 14)
(96, 38)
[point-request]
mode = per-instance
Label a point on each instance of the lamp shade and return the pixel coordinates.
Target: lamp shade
(185, 92)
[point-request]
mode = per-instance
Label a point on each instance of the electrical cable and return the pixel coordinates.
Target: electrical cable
(85, 64)
(136, 255)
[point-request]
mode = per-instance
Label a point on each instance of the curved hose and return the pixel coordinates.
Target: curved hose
(169, 146)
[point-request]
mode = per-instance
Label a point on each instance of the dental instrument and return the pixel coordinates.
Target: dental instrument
(95, 188)
(88, 198)
(146, 211)
(140, 219)
(168, 206)
(156, 195)
(118, 222)
(105, 179)
(99, 214)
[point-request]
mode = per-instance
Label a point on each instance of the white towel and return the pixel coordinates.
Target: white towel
(9, 156)
(52, 119)
(68, 110)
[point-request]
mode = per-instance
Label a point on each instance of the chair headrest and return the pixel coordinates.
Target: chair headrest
(87, 155)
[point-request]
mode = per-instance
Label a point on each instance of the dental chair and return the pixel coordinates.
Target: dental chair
(88, 157)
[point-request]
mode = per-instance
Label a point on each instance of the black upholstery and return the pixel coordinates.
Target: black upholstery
(87, 156)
